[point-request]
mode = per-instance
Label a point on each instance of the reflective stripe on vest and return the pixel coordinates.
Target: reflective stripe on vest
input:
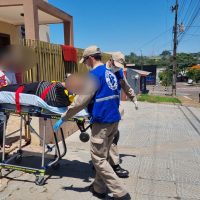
(107, 98)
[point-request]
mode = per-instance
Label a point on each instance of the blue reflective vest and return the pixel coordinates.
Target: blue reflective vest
(120, 76)
(104, 107)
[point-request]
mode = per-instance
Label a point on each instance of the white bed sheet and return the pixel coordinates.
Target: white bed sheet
(33, 100)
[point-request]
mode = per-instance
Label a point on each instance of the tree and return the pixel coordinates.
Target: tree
(166, 77)
(166, 53)
(184, 60)
(132, 58)
(194, 73)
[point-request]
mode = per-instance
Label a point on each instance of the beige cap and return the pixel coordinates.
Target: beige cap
(119, 59)
(89, 51)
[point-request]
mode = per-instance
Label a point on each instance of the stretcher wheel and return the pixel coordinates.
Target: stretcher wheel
(39, 180)
(18, 159)
(84, 137)
(49, 148)
(56, 166)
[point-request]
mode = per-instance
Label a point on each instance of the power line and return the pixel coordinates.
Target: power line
(191, 9)
(189, 6)
(191, 22)
(194, 14)
(188, 39)
(166, 44)
(193, 35)
(193, 26)
(155, 38)
(182, 7)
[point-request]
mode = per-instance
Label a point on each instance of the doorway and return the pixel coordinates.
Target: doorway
(4, 40)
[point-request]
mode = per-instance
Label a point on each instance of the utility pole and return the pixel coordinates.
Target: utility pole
(175, 32)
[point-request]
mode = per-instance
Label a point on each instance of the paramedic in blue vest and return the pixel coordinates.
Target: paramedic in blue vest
(103, 105)
(116, 64)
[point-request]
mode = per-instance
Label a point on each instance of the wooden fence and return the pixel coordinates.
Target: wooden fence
(50, 64)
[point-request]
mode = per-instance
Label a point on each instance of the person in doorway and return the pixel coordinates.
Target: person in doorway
(7, 77)
(103, 96)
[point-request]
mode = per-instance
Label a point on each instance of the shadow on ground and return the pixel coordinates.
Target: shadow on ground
(67, 168)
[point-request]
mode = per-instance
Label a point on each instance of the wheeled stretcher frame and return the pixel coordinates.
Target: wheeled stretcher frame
(25, 114)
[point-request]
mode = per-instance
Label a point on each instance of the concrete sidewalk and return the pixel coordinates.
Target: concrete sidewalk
(159, 145)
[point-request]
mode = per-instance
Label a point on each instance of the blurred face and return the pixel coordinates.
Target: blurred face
(74, 83)
(89, 62)
(109, 63)
(6, 64)
(112, 66)
(79, 84)
(18, 59)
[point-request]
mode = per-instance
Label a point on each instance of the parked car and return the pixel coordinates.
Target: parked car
(190, 81)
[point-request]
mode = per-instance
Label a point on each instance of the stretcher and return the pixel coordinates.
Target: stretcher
(26, 106)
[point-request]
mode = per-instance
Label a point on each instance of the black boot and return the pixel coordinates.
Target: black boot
(125, 197)
(96, 194)
(121, 173)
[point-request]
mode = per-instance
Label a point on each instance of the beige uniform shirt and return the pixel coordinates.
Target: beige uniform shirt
(128, 90)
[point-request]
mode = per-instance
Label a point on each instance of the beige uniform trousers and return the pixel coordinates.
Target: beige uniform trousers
(101, 140)
(114, 158)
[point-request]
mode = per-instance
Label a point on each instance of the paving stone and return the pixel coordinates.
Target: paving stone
(149, 197)
(186, 172)
(158, 145)
(188, 191)
(156, 188)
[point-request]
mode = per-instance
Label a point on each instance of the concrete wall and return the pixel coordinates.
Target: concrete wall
(11, 30)
(44, 33)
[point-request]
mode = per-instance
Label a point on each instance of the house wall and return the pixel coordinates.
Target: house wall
(11, 30)
(133, 82)
(151, 78)
(44, 33)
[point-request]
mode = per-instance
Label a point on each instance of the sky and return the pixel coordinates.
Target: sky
(139, 26)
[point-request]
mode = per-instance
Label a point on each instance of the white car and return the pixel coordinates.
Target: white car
(190, 81)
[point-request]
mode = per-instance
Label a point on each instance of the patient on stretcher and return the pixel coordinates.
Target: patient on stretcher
(42, 93)
(49, 97)
(54, 94)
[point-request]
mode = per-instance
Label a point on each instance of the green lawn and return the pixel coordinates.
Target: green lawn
(157, 99)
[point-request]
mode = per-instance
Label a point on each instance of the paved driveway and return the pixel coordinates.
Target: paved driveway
(183, 90)
(159, 145)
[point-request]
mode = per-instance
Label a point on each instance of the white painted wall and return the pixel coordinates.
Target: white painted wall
(44, 32)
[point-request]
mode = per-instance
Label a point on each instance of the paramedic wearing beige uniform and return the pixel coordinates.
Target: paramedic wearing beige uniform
(105, 124)
(116, 64)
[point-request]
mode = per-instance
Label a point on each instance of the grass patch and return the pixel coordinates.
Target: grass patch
(157, 99)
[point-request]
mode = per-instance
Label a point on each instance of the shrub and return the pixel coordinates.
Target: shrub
(194, 73)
